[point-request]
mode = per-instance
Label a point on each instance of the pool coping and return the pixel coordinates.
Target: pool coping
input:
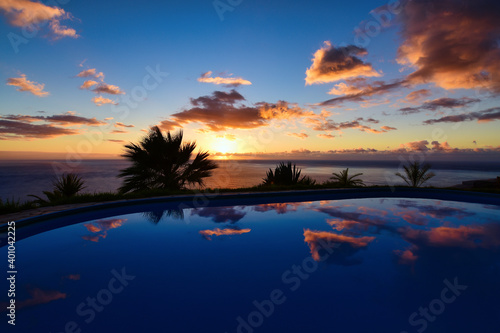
(252, 198)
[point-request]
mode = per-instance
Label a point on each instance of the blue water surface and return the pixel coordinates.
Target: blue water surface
(359, 265)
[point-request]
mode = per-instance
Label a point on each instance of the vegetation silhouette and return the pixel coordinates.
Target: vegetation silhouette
(66, 186)
(164, 162)
(416, 174)
(343, 179)
(286, 174)
(155, 216)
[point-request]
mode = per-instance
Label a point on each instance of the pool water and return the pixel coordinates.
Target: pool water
(356, 265)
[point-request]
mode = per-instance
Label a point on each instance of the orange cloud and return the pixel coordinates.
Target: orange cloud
(299, 135)
(118, 132)
(229, 81)
(119, 124)
(464, 236)
(280, 208)
(360, 90)
(88, 84)
(91, 72)
(25, 13)
(406, 257)
(24, 84)
(99, 101)
(332, 64)
(223, 232)
(61, 30)
(326, 136)
(453, 46)
(417, 95)
(104, 88)
(101, 227)
(39, 296)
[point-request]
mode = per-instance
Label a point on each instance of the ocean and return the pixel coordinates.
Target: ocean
(22, 177)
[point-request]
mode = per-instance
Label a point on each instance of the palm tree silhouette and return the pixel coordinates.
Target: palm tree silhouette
(164, 162)
(342, 178)
(416, 174)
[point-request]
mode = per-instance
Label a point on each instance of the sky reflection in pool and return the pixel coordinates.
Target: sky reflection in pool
(361, 265)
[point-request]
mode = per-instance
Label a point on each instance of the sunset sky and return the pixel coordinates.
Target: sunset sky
(245, 76)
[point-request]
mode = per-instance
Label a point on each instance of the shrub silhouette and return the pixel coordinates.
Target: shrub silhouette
(287, 174)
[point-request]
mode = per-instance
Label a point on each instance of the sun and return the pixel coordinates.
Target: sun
(224, 146)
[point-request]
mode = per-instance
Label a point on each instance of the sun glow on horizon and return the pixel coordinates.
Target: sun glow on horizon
(224, 146)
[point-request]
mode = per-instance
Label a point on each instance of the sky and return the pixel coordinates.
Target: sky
(251, 78)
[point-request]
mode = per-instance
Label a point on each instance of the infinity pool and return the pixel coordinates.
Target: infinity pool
(354, 265)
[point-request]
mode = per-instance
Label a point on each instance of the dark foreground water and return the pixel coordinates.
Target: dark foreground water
(348, 266)
(20, 178)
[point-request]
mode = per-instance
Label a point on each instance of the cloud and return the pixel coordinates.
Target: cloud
(99, 101)
(229, 81)
(13, 130)
(282, 110)
(299, 135)
(25, 13)
(324, 124)
(61, 30)
(422, 146)
(474, 236)
(116, 141)
(167, 125)
(415, 146)
(343, 246)
(24, 84)
(15, 127)
(88, 84)
(104, 88)
(326, 136)
(220, 214)
(119, 124)
(445, 102)
(452, 44)
(118, 132)
(101, 227)
(91, 72)
(360, 90)
(417, 95)
(481, 117)
(332, 64)
(220, 111)
(222, 232)
(66, 119)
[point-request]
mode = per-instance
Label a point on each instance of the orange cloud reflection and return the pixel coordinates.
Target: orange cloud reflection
(223, 232)
(317, 239)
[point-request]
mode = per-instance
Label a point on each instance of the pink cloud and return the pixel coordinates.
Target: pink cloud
(23, 84)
